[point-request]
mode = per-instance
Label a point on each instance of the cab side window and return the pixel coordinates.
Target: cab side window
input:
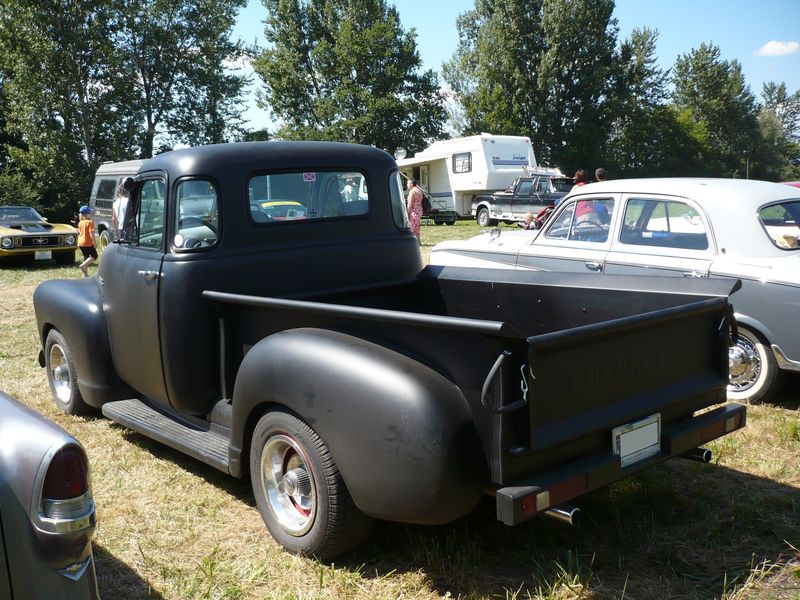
(145, 226)
(525, 188)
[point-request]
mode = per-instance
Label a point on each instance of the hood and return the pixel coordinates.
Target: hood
(482, 250)
(26, 226)
(507, 241)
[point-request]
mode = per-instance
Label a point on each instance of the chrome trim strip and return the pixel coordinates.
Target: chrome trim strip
(783, 362)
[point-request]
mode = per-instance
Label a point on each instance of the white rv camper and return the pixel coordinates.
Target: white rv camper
(453, 171)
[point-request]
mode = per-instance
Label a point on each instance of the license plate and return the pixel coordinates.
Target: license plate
(636, 441)
(43, 254)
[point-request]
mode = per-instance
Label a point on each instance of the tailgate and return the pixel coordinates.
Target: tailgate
(594, 378)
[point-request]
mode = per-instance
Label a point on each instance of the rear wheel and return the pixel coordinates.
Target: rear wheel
(299, 491)
(483, 218)
(754, 373)
(62, 375)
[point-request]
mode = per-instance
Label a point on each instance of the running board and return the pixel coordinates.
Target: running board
(206, 446)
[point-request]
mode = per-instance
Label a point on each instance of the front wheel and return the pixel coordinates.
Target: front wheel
(105, 239)
(483, 218)
(63, 376)
(299, 491)
(754, 373)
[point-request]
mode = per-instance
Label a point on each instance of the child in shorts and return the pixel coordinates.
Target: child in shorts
(86, 239)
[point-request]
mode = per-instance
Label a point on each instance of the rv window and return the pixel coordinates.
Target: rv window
(462, 163)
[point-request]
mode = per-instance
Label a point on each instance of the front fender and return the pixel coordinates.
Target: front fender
(401, 434)
(75, 308)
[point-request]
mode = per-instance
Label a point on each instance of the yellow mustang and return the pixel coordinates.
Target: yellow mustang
(24, 232)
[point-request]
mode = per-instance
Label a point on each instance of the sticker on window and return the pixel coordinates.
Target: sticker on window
(309, 177)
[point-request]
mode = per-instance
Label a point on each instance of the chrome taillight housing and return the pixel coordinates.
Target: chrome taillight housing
(64, 491)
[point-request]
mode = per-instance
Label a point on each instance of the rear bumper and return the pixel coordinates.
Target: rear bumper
(518, 503)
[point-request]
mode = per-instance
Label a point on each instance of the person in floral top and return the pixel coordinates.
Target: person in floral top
(414, 206)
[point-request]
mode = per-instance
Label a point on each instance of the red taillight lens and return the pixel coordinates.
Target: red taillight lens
(68, 475)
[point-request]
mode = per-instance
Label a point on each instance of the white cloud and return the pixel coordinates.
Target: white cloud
(775, 48)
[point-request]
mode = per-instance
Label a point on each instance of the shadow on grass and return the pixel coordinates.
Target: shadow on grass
(789, 394)
(680, 529)
(115, 579)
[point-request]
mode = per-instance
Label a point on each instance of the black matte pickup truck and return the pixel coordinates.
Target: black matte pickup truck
(525, 195)
(260, 319)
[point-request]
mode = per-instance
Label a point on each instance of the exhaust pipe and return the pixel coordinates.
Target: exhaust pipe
(698, 454)
(567, 514)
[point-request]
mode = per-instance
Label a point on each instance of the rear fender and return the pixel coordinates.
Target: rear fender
(401, 434)
(75, 308)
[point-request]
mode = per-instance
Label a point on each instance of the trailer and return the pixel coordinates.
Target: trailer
(453, 172)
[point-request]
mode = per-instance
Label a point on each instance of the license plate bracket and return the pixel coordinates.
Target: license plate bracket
(637, 441)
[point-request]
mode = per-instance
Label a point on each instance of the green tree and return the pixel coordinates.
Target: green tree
(543, 69)
(64, 95)
(782, 109)
(175, 54)
(785, 106)
(345, 70)
(715, 94)
(494, 71)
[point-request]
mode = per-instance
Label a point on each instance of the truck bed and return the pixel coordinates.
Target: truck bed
(594, 353)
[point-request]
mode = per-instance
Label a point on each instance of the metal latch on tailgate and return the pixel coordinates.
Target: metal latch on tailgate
(489, 381)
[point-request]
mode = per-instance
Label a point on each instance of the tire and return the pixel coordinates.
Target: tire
(319, 519)
(65, 258)
(105, 240)
(483, 218)
(754, 373)
(453, 222)
(62, 376)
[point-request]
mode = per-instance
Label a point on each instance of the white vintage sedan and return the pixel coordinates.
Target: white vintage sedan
(747, 230)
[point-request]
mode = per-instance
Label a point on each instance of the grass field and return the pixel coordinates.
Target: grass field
(171, 527)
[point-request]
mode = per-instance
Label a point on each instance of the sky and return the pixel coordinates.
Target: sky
(764, 36)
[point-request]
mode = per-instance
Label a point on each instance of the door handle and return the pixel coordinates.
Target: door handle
(149, 275)
(594, 265)
(694, 274)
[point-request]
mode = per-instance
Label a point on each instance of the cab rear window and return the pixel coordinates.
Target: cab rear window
(307, 196)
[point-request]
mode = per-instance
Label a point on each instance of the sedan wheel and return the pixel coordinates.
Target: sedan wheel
(299, 492)
(754, 373)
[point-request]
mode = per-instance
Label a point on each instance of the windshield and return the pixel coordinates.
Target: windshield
(13, 214)
(782, 223)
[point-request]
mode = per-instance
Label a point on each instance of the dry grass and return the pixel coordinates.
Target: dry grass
(170, 527)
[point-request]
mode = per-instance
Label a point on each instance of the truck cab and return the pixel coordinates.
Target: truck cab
(525, 195)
